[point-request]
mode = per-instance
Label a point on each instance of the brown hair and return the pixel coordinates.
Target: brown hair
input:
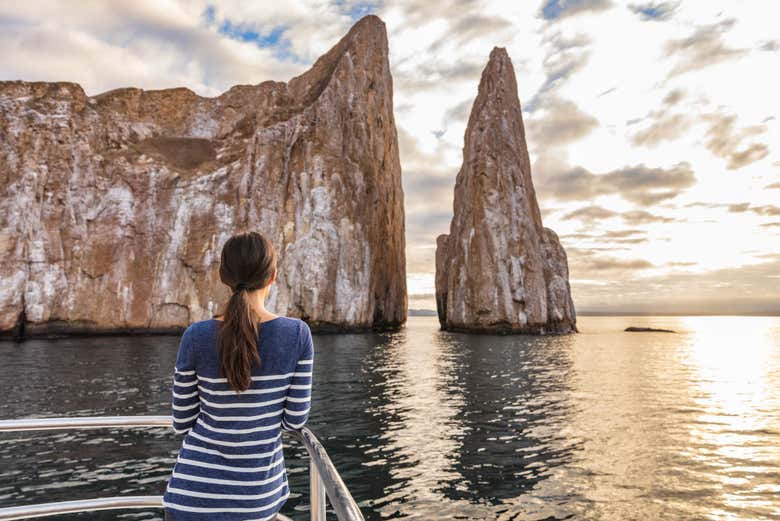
(248, 262)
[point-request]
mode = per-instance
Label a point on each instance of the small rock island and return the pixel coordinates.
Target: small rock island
(499, 270)
(635, 329)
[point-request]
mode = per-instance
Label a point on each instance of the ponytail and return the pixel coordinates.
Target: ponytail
(248, 262)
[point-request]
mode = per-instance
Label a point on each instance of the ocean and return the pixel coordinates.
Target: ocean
(425, 424)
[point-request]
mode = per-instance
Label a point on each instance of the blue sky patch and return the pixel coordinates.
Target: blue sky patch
(553, 9)
(654, 11)
(272, 39)
(357, 10)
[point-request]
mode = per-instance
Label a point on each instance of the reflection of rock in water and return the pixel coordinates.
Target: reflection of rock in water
(499, 269)
(515, 404)
(115, 207)
(463, 419)
(408, 386)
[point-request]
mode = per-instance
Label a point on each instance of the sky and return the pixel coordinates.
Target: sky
(652, 126)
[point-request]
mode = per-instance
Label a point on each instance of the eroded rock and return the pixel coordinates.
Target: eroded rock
(499, 270)
(114, 208)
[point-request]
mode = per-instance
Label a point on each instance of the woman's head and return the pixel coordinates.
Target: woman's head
(247, 265)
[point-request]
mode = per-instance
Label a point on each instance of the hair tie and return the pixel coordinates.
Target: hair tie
(239, 287)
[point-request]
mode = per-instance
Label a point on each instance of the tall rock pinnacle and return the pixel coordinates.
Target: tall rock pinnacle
(114, 208)
(499, 270)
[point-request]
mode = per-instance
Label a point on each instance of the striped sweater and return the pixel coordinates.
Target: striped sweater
(230, 464)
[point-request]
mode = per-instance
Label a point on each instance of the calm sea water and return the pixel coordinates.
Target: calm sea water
(425, 424)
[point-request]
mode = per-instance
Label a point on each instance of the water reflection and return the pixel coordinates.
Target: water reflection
(418, 419)
(514, 400)
(734, 436)
(438, 425)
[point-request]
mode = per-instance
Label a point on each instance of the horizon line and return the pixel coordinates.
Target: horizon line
(596, 313)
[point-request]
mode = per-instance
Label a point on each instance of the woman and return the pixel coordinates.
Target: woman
(239, 380)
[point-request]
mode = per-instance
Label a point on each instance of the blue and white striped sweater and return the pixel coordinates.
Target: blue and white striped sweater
(231, 464)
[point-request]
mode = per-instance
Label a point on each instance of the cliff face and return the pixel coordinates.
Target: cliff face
(114, 208)
(499, 269)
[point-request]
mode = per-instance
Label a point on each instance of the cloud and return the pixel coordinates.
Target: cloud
(746, 288)
(273, 37)
(560, 121)
(584, 263)
(621, 234)
(608, 238)
(701, 204)
(636, 217)
(766, 209)
(592, 213)
(737, 207)
(722, 138)
(432, 75)
(673, 97)
(459, 112)
(141, 44)
(610, 263)
(468, 28)
(667, 127)
(724, 141)
(639, 184)
(309, 28)
(703, 48)
(419, 12)
(754, 152)
(564, 55)
(558, 9)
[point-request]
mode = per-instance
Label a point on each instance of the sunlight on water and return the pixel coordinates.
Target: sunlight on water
(425, 424)
(736, 365)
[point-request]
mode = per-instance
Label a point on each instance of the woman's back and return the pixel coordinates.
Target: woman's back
(231, 464)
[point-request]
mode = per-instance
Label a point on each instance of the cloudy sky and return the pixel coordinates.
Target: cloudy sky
(652, 126)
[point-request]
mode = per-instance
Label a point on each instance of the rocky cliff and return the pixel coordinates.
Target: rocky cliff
(114, 208)
(499, 270)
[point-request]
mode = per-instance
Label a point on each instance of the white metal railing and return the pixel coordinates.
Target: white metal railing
(84, 505)
(324, 479)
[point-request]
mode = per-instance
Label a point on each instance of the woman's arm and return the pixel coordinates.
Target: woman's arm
(298, 401)
(186, 402)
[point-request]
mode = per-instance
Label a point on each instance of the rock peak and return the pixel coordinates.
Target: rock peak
(367, 34)
(498, 82)
(367, 47)
(499, 269)
(500, 64)
(369, 20)
(498, 53)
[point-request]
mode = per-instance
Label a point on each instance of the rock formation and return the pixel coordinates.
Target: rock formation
(114, 208)
(499, 270)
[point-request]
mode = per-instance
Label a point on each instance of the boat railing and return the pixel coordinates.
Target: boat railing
(324, 480)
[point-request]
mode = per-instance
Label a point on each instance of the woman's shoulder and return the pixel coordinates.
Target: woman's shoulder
(200, 327)
(287, 324)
